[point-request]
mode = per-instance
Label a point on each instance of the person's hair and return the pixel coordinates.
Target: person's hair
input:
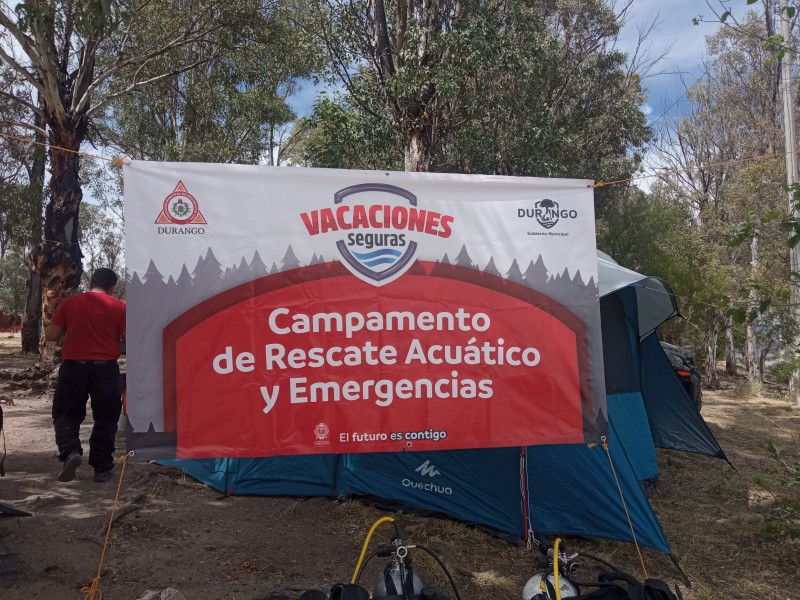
(103, 278)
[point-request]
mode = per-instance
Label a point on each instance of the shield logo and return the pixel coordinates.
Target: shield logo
(546, 212)
(376, 259)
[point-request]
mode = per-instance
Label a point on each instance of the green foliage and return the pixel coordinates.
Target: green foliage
(100, 223)
(783, 520)
(13, 280)
(782, 370)
(14, 227)
(761, 480)
(733, 210)
(532, 91)
(234, 108)
(91, 18)
(336, 136)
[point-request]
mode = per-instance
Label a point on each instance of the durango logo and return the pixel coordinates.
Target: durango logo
(547, 213)
(378, 229)
(182, 209)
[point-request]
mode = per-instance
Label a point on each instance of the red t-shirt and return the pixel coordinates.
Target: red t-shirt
(95, 324)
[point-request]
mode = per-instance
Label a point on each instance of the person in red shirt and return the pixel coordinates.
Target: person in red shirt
(94, 323)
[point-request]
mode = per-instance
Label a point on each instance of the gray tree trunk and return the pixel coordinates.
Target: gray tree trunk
(418, 153)
(710, 371)
(730, 348)
(752, 350)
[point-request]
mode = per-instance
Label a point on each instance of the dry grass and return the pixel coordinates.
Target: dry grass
(735, 533)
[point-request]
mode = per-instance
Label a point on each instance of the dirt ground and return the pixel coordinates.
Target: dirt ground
(736, 532)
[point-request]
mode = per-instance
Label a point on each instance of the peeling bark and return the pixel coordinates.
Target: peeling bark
(57, 260)
(33, 298)
(418, 153)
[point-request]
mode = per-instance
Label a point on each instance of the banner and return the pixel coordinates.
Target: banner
(277, 311)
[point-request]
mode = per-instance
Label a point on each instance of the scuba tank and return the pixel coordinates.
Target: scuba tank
(538, 588)
(399, 578)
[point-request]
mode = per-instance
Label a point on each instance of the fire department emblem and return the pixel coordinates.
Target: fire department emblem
(180, 208)
(321, 432)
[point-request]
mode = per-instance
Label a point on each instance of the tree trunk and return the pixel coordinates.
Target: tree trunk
(753, 354)
(57, 260)
(710, 375)
(33, 299)
(418, 152)
(752, 351)
(730, 348)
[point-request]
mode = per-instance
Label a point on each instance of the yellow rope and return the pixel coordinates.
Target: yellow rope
(599, 184)
(93, 592)
(366, 543)
(624, 505)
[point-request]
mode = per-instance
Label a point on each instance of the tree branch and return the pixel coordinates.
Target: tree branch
(139, 84)
(31, 107)
(9, 60)
(141, 60)
(44, 50)
(38, 130)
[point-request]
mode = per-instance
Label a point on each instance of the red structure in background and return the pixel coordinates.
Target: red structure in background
(10, 323)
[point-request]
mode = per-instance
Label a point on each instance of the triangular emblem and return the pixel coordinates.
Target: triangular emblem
(180, 208)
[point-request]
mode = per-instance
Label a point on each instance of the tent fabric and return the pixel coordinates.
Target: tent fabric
(655, 300)
(312, 475)
(561, 489)
(641, 369)
(572, 491)
(627, 418)
(675, 424)
(628, 423)
(478, 486)
(621, 362)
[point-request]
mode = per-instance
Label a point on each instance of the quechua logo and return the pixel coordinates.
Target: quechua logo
(182, 209)
(380, 227)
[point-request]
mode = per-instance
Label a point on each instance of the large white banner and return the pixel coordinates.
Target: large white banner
(288, 311)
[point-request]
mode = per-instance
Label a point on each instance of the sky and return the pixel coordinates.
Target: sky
(683, 41)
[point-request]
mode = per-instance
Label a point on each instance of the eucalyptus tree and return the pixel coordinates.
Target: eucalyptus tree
(509, 87)
(22, 163)
(406, 61)
(732, 120)
(78, 57)
(12, 284)
(234, 109)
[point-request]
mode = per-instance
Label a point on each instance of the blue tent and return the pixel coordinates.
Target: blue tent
(559, 489)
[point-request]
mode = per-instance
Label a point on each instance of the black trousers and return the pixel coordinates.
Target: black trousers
(77, 381)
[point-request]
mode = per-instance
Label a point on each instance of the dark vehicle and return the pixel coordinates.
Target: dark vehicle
(682, 360)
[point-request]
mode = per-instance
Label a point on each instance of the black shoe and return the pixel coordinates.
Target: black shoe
(71, 464)
(102, 476)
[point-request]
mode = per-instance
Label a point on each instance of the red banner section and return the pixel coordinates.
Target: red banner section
(317, 361)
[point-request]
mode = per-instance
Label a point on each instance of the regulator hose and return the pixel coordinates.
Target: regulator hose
(363, 566)
(555, 569)
(600, 560)
(357, 570)
(444, 568)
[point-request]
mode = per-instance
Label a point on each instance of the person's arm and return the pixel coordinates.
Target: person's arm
(57, 325)
(53, 332)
